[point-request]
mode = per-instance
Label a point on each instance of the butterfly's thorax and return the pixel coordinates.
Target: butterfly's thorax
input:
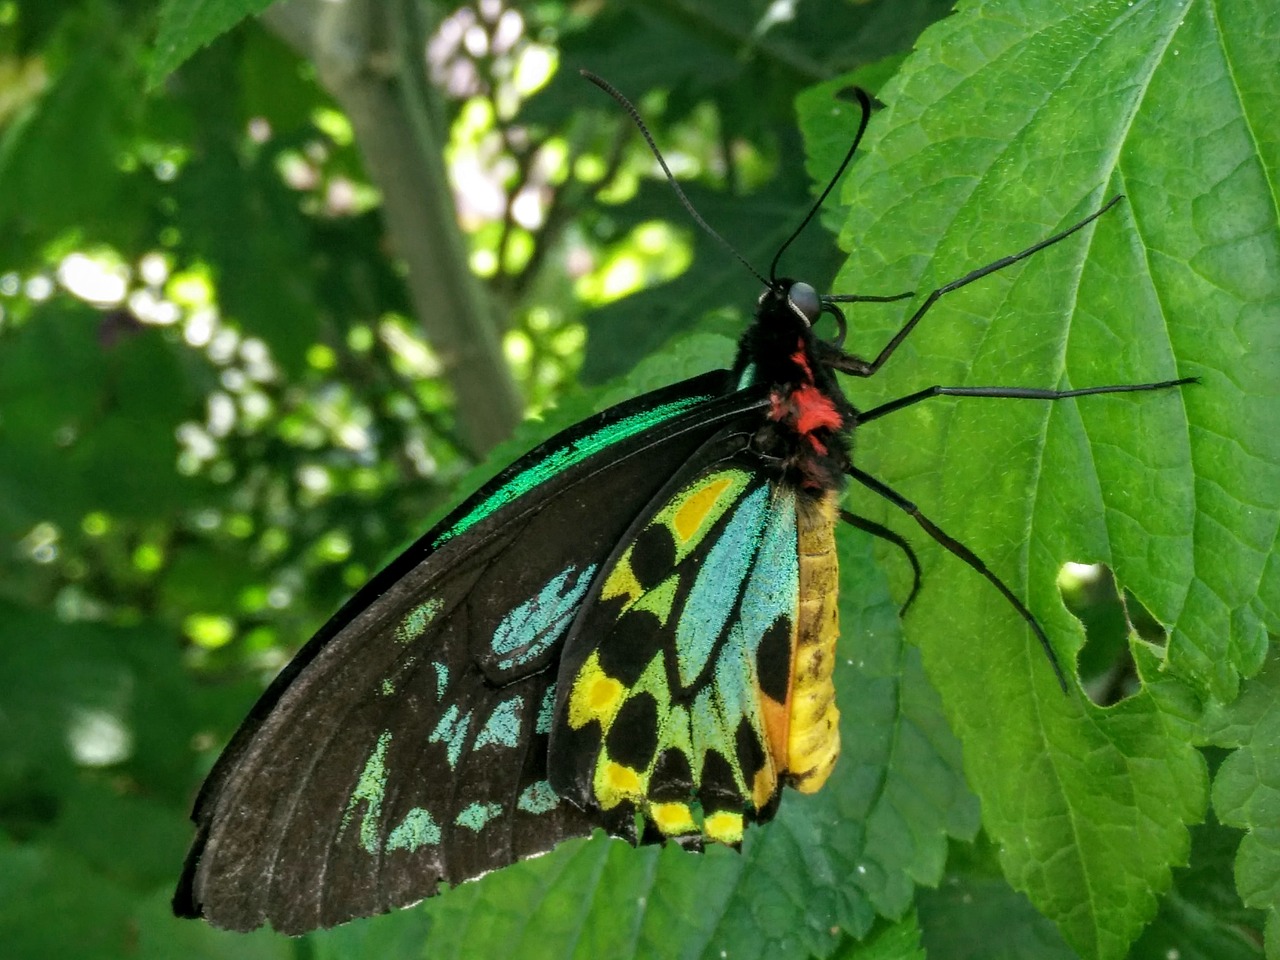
(804, 437)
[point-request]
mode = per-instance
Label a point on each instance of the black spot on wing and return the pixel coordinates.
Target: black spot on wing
(653, 555)
(750, 751)
(633, 734)
(672, 779)
(773, 660)
(621, 822)
(630, 645)
(718, 789)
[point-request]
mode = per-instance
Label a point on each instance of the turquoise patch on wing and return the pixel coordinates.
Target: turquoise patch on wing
(442, 678)
(707, 609)
(503, 726)
(418, 829)
(533, 626)
(476, 815)
(538, 798)
(543, 723)
(773, 586)
(451, 731)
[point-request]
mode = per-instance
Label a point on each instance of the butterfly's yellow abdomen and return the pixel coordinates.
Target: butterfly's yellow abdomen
(813, 740)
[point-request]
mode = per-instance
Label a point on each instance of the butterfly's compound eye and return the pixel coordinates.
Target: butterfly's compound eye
(804, 300)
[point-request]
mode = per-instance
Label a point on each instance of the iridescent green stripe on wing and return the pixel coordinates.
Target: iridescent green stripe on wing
(562, 459)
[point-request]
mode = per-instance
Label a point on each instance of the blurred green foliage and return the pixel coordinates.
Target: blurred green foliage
(221, 410)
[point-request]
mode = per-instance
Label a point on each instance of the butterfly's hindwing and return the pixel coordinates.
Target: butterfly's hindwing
(674, 686)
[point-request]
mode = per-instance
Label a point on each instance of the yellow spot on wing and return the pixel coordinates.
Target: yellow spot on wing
(594, 696)
(689, 517)
(723, 827)
(622, 582)
(603, 695)
(672, 819)
(615, 783)
(622, 779)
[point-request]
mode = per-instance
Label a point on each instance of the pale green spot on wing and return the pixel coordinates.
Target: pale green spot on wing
(659, 600)
(418, 619)
(475, 816)
(370, 789)
(503, 726)
(538, 798)
(418, 829)
(451, 731)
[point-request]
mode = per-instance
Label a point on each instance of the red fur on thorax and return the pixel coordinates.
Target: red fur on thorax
(805, 408)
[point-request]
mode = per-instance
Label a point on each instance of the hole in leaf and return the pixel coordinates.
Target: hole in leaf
(1107, 670)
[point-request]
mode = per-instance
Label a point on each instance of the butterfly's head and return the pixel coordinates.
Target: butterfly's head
(793, 296)
(788, 304)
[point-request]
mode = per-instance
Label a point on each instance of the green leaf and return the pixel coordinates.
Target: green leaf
(239, 217)
(76, 132)
(159, 935)
(1245, 792)
(975, 915)
(83, 428)
(1202, 918)
(66, 695)
(890, 941)
(987, 146)
(50, 899)
(188, 25)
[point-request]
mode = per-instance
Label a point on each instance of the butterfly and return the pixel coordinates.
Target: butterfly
(633, 627)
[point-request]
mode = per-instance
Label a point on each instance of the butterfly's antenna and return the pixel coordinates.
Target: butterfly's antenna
(634, 114)
(865, 102)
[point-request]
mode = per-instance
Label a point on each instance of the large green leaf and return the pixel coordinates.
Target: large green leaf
(84, 428)
(76, 131)
(976, 915)
(1012, 121)
(891, 941)
(1245, 793)
(188, 25)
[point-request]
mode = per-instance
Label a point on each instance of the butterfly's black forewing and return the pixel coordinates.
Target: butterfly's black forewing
(406, 744)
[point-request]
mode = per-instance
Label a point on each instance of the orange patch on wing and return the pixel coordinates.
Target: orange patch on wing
(777, 728)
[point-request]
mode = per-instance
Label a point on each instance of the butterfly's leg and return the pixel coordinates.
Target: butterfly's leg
(965, 554)
(884, 533)
(1014, 393)
(862, 368)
